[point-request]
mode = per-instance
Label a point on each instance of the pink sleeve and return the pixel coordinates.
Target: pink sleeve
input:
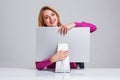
(85, 24)
(43, 64)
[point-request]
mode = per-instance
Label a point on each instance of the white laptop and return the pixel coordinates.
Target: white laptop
(78, 40)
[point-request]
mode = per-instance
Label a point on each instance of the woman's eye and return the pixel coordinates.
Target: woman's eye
(52, 14)
(46, 17)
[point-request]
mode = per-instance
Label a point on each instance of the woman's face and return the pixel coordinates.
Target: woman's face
(50, 18)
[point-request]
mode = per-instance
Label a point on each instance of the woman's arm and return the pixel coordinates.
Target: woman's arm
(42, 64)
(64, 28)
(58, 56)
(85, 24)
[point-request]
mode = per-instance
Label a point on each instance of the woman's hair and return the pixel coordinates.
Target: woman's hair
(40, 17)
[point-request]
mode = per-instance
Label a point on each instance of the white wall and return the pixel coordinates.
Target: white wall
(18, 19)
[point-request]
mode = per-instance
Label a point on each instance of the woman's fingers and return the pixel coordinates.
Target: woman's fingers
(63, 30)
(64, 54)
(60, 55)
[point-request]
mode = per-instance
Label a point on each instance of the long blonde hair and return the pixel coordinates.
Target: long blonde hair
(40, 17)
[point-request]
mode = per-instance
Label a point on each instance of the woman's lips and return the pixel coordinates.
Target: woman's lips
(52, 22)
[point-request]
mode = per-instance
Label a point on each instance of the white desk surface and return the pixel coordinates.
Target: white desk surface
(75, 74)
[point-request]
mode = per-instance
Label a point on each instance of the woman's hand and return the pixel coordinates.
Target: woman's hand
(64, 28)
(60, 55)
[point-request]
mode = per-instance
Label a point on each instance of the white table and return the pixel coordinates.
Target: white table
(81, 74)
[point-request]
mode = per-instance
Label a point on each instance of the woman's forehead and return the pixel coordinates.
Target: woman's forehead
(47, 12)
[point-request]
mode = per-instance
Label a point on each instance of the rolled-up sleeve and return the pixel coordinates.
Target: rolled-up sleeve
(42, 64)
(86, 24)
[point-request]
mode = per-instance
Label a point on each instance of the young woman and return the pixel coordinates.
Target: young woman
(49, 17)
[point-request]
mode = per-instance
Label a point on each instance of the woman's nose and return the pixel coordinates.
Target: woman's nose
(51, 18)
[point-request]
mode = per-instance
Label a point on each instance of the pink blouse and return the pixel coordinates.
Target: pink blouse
(48, 64)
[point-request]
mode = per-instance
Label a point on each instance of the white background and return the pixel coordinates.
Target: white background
(18, 19)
